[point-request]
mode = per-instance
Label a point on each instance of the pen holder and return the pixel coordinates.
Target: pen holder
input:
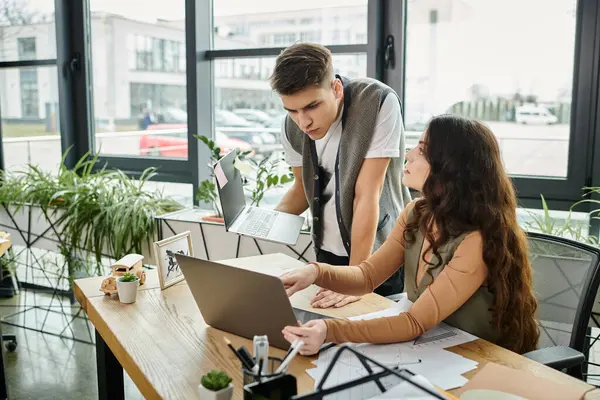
(273, 363)
(281, 387)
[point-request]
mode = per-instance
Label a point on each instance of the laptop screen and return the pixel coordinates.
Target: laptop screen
(229, 185)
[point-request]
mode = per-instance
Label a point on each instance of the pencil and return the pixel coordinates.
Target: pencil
(239, 357)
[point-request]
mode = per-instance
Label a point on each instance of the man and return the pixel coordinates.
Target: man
(344, 140)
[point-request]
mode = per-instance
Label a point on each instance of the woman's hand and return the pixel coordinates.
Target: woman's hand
(313, 334)
(326, 298)
(299, 279)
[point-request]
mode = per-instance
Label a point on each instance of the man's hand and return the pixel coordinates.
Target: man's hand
(326, 299)
(299, 279)
(313, 334)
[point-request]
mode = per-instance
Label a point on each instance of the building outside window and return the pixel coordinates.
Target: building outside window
(28, 80)
(27, 48)
(30, 101)
(154, 54)
(284, 39)
(160, 98)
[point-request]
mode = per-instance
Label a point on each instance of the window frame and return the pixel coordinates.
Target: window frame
(384, 17)
(560, 192)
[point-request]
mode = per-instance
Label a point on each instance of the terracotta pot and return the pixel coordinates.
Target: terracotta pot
(212, 218)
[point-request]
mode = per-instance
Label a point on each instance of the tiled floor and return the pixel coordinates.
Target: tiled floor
(46, 366)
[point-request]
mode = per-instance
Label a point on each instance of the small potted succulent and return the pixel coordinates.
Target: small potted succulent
(127, 287)
(216, 385)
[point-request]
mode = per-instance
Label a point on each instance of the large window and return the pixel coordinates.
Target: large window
(144, 98)
(29, 89)
(496, 61)
(30, 118)
(533, 80)
(247, 113)
(268, 24)
(27, 30)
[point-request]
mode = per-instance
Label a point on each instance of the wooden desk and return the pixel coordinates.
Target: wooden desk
(164, 345)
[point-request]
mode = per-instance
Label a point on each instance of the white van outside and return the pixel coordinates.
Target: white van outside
(534, 115)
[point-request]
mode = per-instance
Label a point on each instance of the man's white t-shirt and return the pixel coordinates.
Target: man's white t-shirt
(385, 143)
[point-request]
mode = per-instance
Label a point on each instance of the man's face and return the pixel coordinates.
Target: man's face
(315, 108)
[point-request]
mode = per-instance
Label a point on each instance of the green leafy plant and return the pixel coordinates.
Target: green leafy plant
(546, 224)
(207, 190)
(128, 277)
(267, 178)
(99, 211)
(216, 380)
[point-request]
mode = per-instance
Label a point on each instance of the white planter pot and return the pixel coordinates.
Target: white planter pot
(224, 394)
(127, 291)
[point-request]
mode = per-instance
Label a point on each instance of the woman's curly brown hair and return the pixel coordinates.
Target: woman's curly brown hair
(468, 190)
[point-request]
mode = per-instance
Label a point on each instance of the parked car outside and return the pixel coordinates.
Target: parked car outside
(229, 126)
(257, 116)
(237, 127)
(534, 115)
(175, 144)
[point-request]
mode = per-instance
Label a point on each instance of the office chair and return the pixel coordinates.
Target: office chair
(566, 279)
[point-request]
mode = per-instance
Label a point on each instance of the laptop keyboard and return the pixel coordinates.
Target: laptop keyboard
(258, 222)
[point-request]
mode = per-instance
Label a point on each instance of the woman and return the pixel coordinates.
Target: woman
(465, 256)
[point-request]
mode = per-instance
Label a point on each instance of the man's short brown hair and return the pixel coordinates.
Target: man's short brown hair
(301, 65)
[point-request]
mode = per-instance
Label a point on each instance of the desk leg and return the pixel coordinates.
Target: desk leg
(110, 372)
(3, 383)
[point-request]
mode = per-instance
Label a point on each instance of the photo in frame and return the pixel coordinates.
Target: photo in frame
(167, 267)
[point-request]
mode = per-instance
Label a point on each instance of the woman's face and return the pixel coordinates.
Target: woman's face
(416, 170)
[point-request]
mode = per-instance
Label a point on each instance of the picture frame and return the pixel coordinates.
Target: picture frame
(168, 270)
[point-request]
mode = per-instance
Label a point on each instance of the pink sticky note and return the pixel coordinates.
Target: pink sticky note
(220, 175)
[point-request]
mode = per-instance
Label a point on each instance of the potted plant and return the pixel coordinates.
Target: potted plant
(127, 287)
(216, 385)
(266, 178)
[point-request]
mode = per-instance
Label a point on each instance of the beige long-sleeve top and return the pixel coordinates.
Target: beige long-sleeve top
(457, 282)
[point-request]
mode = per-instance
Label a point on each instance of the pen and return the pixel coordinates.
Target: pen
(290, 349)
(260, 365)
(290, 357)
(244, 362)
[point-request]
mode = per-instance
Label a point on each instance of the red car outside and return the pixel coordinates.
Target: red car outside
(172, 142)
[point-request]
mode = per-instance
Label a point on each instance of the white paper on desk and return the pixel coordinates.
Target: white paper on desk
(443, 368)
(407, 391)
(349, 369)
(403, 305)
(442, 336)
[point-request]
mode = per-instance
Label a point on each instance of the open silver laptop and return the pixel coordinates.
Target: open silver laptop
(273, 226)
(240, 301)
